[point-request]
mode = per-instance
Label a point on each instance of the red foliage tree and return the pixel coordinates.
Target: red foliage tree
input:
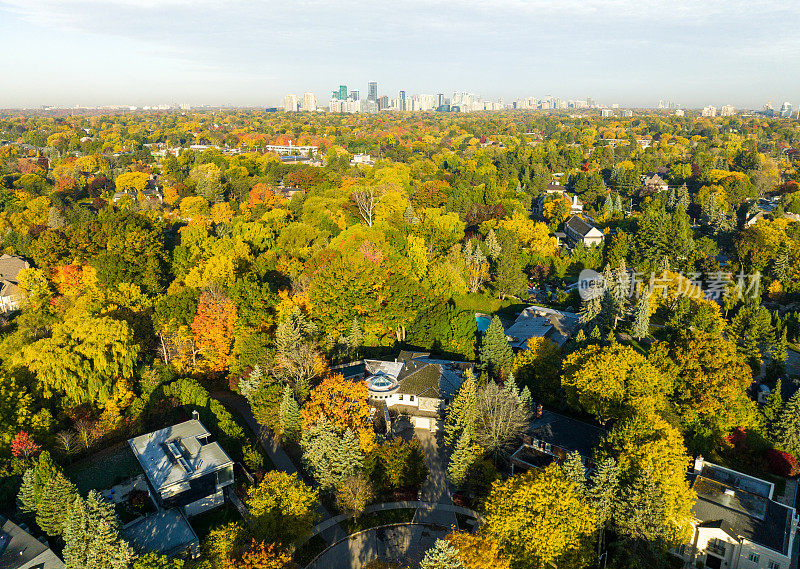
(23, 445)
(782, 463)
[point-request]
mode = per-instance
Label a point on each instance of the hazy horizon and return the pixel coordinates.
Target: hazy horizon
(149, 52)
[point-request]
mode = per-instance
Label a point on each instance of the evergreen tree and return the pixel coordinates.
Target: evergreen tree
(575, 471)
(525, 397)
(493, 245)
(787, 432)
(591, 307)
(91, 536)
(329, 454)
(495, 353)
(770, 411)
(356, 338)
(682, 197)
(248, 386)
(441, 556)
(53, 506)
(641, 322)
(618, 204)
(603, 495)
(672, 199)
(594, 335)
(290, 415)
(780, 263)
(27, 493)
(641, 520)
(580, 337)
(608, 205)
(462, 413)
(461, 460)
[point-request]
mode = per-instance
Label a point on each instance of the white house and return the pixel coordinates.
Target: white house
(579, 228)
(737, 523)
(415, 384)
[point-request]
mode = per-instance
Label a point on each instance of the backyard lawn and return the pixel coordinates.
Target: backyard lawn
(104, 469)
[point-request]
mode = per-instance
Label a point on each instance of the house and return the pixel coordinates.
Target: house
(541, 322)
(737, 523)
(415, 384)
(580, 229)
(554, 192)
(363, 159)
(184, 469)
(20, 550)
(11, 296)
(167, 532)
(652, 184)
(550, 437)
(754, 218)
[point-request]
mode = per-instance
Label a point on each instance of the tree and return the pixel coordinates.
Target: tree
(290, 416)
(157, 561)
(282, 507)
(213, 328)
(91, 536)
(641, 322)
(537, 367)
(83, 358)
(330, 453)
(538, 517)
(612, 381)
(53, 503)
(208, 178)
(248, 385)
(510, 280)
(461, 460)
(787, 431)
(502, 419)
(353, 494)
(477, 551)
(462, 413)
(367, 198)
(261, 555)
(495, 354)
(602, 494)
(441, 556)
(345, 404)
(23, 446)
(771, 410)
(493, 245)
(396, 464)
(575, 471)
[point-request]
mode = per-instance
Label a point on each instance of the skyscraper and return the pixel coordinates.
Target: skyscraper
(401, 101)
(383, 103)
(290, 103)
(309, 102)
(439, 100)
(355, 95)
(372, 91)
(342, 92)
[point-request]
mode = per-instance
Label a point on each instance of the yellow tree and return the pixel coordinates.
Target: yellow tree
(476, 551)
(213, 328)
(283, 507)
(539, 517)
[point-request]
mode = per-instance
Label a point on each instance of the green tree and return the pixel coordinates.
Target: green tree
(290, 416)
(157, 561)
(641, 322)
(330, 454)
(53, 504)
(461, 460)
(771, 410)
(787, 431)
(462, 413)
(91, 536)
(495, 354)
(510, 280)
(575, 471)
(441, 556)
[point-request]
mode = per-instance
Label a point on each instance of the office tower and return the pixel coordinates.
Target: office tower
(355, 95)
(309, 102)
(290, 103)
(372, 91)
(786, 109)
(401, 101)
(606, 112)
(727, 111)
(342, 93)
(440, 100)
(383, 103)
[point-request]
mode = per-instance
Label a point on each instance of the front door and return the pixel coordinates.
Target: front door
(713, 562)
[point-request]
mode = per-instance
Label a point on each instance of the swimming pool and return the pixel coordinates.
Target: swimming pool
(482, 322)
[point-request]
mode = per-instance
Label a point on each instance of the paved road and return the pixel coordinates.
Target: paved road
(276, 453)
(437, 488)
(406, 543)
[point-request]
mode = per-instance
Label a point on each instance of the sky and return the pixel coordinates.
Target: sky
(253, 52)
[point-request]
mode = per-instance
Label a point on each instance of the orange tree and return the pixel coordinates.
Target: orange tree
(345, 403)
(213, 328)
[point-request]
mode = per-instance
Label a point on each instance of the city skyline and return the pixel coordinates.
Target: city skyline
(142, 52)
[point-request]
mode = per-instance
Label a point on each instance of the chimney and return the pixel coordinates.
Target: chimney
(698, 464)
(195, 415)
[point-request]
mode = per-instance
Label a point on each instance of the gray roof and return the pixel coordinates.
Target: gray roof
(158, 463)
(742, 514)
(420, 375)
(580, 225)
(20, 550)
(565, 432)
(10, 266)
(541, 322)
(165, 532)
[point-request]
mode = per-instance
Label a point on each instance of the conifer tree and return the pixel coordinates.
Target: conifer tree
(462, 413)
(248, 386)
(329, 454)
(780, 263)
(672, 199)
(682, 197)
(91, 536)
(575, 471)
(290, 415)
(603, 496)
(618, 204)
(27, 495)
(591, 307)
(441, 556)
(356, 338)
(461, 459)
(493, 245)
(641, 322)
(580, 337)
(594, 335)
(771, 410)
(53, 506)
(787, 432)
(495, 352)
(608, 205)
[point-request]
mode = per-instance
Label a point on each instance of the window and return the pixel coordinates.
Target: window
(411, 398)
(754, 557)
(774, 564)
(716, 546)
(400, 397)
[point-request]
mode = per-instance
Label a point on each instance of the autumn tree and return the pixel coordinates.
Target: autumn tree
(538, 517)
(477, 551)
(502, 419)
(261, 555)
(353, 494)
(462, 413)
(213, 329)
(282, 507)
(441, 556)
(345, 404)
(537, 367)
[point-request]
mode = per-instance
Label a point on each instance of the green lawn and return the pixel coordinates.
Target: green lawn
(104, 469)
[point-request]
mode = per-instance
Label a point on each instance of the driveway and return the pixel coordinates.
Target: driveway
(404, 543)
(437, 488)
